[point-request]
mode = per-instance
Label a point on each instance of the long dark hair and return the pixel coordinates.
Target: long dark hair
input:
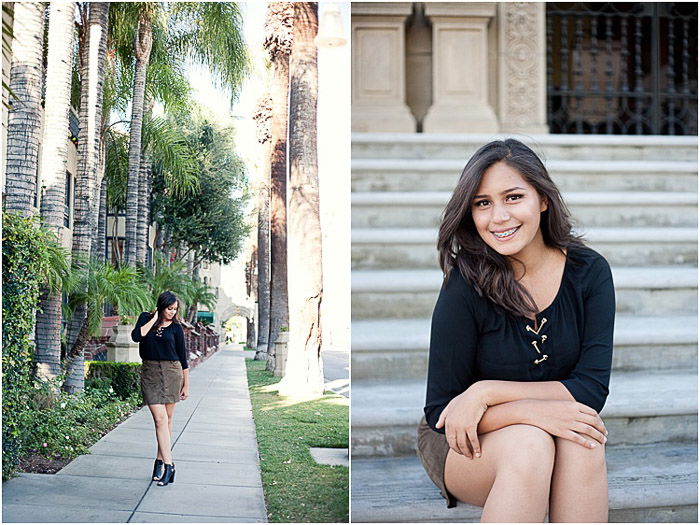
(164, 300)
(459, 243)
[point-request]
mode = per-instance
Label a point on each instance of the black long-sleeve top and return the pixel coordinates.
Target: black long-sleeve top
(170, 346)
(472, 340)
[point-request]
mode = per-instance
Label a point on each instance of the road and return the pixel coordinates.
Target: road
(336, 371)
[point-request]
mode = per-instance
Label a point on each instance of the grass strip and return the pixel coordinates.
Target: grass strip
(297, 489)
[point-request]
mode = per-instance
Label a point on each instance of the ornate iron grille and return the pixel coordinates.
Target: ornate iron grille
(622, 68)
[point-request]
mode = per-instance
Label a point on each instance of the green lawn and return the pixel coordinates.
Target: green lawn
(297, 489)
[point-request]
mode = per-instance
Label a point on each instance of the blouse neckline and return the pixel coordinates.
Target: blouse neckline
(559, 290)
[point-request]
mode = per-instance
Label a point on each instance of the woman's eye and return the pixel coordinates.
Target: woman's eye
(514, 197)
(481, 203)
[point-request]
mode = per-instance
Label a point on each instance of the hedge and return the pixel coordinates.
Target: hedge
(124, 378)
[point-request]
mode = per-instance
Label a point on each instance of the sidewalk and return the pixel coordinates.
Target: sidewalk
(215, 453)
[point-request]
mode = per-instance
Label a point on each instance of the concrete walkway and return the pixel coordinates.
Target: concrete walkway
(215, 453)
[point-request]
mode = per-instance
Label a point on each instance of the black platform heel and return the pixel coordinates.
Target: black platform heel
(168, 475)
(157, 469)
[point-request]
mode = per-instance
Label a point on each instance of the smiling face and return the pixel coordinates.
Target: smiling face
(506, 212)
(170, 311)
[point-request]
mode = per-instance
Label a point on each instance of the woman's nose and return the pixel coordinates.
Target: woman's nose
(500, 214)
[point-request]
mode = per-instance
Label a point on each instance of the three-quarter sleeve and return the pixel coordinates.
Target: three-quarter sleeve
(136, 336)
(180, 346)
(589, 380)
(453, 342)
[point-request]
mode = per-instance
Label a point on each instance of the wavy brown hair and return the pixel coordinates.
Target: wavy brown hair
(459, 243)
(166, 299)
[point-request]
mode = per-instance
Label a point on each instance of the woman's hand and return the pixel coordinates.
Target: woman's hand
(184, 392)
(567, 419)
(461, 418)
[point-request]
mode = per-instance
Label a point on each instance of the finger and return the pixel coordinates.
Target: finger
(474, 441)
(578, 438)
(590, 431)
(441, 419)
(463, 444)
(452, 440)
(593, 421)
(586, 409)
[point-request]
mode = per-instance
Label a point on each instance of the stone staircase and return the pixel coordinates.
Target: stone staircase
(635, 199)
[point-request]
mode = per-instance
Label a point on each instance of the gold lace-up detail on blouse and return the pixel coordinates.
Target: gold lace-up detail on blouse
(543, 338)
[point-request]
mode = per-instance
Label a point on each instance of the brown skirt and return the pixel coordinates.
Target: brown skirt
(161, 382)
(432, 451)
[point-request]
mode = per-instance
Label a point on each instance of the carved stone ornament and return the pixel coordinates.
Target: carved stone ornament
(522, 71)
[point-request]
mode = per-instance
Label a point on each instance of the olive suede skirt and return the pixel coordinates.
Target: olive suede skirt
(161, 382)
(432, 451)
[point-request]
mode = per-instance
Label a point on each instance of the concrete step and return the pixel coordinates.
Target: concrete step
(589, 209)
(380, 294)
(569, 175)
(560, 147)
(647, 484)
(392, 248)
(643, 407)
(398, 348)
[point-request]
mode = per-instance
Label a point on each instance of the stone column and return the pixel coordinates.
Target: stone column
(120, 347)
(461, 68)
(378, 67)
(522, 67)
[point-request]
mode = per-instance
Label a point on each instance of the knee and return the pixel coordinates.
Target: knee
(531, 452)
(161, 420)
(586, 461)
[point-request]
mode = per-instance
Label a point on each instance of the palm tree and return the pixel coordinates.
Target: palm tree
(262, 118)
(95, 284)
(205, 32)
(24, 120)
(278, 42)
(304, 373)
(199, 293)
(92, 60)
(53, 171)
(142, 52)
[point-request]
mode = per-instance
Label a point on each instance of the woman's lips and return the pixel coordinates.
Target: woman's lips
(505, 235)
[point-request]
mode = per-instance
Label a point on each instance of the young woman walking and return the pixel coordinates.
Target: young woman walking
(520, 349)
(164, 375)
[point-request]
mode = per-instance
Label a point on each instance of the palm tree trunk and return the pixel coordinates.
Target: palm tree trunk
(279, 309)
(280, 15)
(99, 218)
(24, 120)
(304, 371)
(143, 212)
(142, 51)
(262, 118)
(54, 157)
(92, 72)
(98, 246)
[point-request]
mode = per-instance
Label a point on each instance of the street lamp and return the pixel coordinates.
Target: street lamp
(330, 28)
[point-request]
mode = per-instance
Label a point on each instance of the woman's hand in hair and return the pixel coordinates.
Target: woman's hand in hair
(461, 418)
(567, 419)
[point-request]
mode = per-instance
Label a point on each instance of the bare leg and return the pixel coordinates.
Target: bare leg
(160, 419)
(579, 484)
(512, 478)
(170, 410)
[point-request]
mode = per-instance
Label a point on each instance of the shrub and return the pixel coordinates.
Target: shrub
(123, 378)
(31, 257)
(72, 423)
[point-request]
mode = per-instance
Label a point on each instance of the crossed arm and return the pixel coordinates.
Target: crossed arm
(490, 405)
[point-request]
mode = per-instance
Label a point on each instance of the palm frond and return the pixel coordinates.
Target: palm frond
(173, 155)
(211, 33)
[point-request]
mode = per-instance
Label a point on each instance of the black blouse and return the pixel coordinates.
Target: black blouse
(170, 346)
(472, 340)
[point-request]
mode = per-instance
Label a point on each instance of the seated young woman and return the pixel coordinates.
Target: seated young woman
(520, 349)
